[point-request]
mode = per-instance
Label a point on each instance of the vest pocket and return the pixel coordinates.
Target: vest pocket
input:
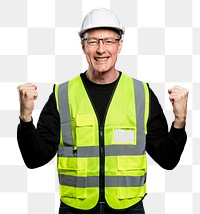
(131, 176)
(72, 177)
(131, 163)
(72, 192)
(85, 132)
(131, 192)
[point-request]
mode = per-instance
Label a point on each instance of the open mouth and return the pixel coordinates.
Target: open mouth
(101, 59)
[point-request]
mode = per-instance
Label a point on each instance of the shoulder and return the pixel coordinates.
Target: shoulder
(66, 83)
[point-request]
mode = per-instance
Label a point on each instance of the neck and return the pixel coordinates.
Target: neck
(102, 77)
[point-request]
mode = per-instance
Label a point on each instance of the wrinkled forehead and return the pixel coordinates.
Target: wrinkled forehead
(101, 33)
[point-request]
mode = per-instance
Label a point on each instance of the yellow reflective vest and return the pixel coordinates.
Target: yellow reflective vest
(82, 160)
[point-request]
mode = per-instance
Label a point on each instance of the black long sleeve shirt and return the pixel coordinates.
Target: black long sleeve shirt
(39, 145)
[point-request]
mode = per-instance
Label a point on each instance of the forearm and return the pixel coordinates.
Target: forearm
(35, 149)
(167, 150)
(179, 123)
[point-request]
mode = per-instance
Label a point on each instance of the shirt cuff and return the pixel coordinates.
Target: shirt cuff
(177, 133)
(26, 126)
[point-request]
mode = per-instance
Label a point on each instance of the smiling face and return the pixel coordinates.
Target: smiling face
(101, 58)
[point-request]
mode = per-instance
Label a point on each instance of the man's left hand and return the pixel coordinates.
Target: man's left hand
(178, 97)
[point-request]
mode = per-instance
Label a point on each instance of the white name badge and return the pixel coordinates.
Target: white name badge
(124, 136)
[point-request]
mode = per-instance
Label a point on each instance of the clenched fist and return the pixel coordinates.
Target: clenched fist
(27, 96)
(178, 97)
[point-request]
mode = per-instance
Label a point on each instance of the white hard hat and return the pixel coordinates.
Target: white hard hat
(101, 18)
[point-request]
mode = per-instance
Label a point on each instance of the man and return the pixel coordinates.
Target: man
(101, 123)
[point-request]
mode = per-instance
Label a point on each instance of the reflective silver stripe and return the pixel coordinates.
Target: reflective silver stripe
(84, 151)
(123, 150)
(125, 181)
(110, 181)
(140, 110)
(65, 114)
(93, 151)
(75, 181)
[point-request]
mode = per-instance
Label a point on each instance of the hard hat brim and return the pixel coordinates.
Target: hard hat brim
(115, 29)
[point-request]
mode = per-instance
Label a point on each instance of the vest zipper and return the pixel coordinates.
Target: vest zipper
(102, 163)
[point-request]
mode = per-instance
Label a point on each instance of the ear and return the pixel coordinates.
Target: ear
(120, 46)
(83, 47)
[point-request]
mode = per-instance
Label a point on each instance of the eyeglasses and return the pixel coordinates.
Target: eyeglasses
(93, 41)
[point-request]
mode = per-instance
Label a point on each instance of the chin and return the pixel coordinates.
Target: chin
(102, 69)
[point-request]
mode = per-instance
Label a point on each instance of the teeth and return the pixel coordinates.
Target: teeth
(101, 59)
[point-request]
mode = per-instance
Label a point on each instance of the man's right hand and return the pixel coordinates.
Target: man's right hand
(27, 95)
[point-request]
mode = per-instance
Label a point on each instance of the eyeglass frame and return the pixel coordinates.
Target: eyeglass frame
(103, 41)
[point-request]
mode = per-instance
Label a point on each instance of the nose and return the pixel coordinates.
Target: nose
(101, 47)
